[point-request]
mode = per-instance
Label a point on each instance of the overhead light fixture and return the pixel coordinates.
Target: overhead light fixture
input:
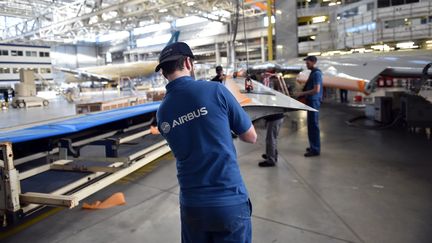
(152, 28)
(189, 21)
(384, 47)
(406, 45)
(338, 2)
(163, 10)
(314, 54)
(338, 17)
(189, 4)
(319, 19)
(332, 4)
(278, 11)
(313, 37)
(273, 20)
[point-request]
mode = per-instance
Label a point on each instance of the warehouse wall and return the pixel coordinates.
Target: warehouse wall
(75, 56)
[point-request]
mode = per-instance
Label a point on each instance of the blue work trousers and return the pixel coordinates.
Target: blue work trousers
(216, 224)
(313, 126)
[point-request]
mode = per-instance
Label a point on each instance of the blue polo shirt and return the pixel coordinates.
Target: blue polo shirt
(315, 78)
(196, 118)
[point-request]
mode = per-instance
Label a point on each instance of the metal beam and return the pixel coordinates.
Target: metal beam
(67, 20)
(49, 199)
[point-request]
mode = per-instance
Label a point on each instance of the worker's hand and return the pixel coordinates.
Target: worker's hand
(298, 93)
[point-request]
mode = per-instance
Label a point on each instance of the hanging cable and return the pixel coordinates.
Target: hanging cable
(245, 40)
(235, 23)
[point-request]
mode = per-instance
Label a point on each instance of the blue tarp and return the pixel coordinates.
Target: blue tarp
(76, 124)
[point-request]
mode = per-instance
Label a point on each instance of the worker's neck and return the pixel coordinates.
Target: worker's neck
(178, 74)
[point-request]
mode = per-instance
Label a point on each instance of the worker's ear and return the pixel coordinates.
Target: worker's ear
(189, 63)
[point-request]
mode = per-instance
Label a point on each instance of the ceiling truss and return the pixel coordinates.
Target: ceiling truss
(55, 20)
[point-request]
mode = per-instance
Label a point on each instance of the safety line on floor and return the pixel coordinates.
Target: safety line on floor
(19, 228)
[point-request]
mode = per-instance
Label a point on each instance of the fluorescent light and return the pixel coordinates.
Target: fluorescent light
(163, 10)
(338, 2)
(278, 11)
(273, 20)
(429, 42)
(190, 4)
(406, 45)
(332, 4)
(189, 21)
(319, 19)
(279, 47)
(152, 28)
(314, 54)
(384, 47)
(153, 40)
(331, 53)
(313, 37)
(109, 15)
(358, 50)
(113, 35)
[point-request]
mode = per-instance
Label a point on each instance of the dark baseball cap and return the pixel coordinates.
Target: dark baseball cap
(311, 58)
(173, 52)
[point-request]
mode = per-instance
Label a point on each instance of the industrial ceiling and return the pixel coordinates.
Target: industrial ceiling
(63, 20)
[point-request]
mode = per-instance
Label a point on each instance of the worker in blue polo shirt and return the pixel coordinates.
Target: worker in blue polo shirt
(313, 91)
(196, 118)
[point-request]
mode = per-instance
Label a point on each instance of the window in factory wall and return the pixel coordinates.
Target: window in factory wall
(44, 54)
(35, 70)
(45, 70)
(389, 3)
(16, 70)
(4, 53)
(15, 53)
(4, 70)
(31, 53)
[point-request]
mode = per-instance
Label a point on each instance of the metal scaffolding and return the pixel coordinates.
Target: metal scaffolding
(61, 20)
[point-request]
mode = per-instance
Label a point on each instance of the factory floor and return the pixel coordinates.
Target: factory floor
(367, 186)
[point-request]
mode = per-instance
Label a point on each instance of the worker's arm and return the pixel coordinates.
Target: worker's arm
(239, 120)
(250, 136)
(317, 81)
(313, 91)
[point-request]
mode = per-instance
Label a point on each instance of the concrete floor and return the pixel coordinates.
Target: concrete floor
(367, 186)
(57, 109)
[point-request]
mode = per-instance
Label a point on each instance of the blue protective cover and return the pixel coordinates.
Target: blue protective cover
(76, 124)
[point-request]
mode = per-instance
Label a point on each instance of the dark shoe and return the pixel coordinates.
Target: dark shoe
(308, 149)
(311, 154)
(264, 156)
(266, 164)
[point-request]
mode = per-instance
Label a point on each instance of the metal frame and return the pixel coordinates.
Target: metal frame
(14, 204)
(66, 21)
